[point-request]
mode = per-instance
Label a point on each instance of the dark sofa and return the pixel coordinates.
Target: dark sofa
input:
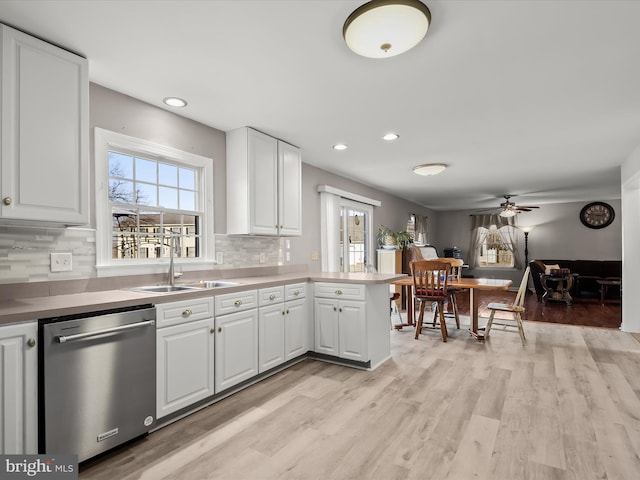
(589, 272)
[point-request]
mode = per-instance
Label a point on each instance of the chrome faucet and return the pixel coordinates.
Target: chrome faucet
(172, 270)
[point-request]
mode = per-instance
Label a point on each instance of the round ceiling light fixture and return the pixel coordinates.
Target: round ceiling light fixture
(386, 28)
(429, 169)
(174, 102)
(390, 137)
(340, 146)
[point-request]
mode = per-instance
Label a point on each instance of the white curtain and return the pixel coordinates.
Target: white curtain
(421, 229)
(480, 225)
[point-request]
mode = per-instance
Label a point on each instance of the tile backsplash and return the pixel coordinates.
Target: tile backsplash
(25, 252)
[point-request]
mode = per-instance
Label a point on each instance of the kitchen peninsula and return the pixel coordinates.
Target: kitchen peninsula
(337, 317)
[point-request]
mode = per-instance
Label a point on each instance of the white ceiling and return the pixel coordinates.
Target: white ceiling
(539, 99)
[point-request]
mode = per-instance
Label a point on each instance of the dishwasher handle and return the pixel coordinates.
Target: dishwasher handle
(81, 336)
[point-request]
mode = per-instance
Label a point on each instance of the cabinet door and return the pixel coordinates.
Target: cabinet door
(45, 132)
(295, 329)
(236, 348)
(353, 331)
(289, 189)
(263, 183)
(18, 392)
(271, 335)
(185, 362)
(326, 325)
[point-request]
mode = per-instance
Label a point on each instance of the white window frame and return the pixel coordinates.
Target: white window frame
(106, 140)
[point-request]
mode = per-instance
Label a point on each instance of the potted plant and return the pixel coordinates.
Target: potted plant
(403, 238)
(386, 238)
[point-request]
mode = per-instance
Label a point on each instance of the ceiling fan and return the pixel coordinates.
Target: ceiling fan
(509, 209)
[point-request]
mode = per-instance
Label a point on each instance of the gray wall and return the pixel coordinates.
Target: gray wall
(24, 251)
(123, 114)
(394, 212)
(558, 234)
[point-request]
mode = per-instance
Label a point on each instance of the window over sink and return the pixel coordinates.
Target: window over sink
(147, 193)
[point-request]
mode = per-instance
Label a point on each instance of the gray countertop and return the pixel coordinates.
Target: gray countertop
(23, 310)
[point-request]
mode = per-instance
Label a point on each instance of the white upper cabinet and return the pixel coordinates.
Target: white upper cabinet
(45, 132)
(264, 185)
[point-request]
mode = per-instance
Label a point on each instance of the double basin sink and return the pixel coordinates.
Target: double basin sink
(181, 288)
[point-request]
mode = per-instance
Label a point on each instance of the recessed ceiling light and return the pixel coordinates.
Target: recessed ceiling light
(175, 102)
(429, 169)
(391, 136)
(340, 146)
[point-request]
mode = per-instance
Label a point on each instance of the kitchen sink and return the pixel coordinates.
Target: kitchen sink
(165, 288)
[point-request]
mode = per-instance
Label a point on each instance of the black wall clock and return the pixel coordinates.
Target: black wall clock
(597, 215)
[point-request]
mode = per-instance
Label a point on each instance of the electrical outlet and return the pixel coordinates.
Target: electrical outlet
(61, 262)
(263, 257)
(219, 258)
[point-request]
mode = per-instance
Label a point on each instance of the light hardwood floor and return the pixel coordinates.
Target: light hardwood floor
(566, 406)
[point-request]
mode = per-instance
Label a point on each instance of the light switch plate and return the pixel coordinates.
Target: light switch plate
(61, 262)
(219, 258)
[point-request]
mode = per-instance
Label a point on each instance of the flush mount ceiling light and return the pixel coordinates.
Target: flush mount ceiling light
(429, 169)
(391, 136)
(174, 101)
(340, 146)
(385, 28)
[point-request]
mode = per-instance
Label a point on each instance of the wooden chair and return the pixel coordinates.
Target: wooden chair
(517, 308)
(456, 274)
(430, 278)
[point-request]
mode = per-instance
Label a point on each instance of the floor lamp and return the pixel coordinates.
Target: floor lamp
(526, 231)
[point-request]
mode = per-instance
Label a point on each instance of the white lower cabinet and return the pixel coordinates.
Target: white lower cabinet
(341, 329)
(271, 334)
(19, 388)
(296, 322)
(184, 353)
(236, 348)
(352, 322)
(236, 338)
(283, 321)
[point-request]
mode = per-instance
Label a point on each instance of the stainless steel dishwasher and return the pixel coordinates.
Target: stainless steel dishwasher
(97, 380)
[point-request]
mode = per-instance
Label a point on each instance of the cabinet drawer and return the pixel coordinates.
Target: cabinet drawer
(294, 291)
(349, 291)
(175, 313)
(236, 302)
(270, 296)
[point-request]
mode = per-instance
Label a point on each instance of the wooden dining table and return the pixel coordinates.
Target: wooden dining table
(474, 285)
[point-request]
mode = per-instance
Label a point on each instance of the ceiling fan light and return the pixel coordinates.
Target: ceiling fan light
(508, 212)
(385, 28)
(429, 169)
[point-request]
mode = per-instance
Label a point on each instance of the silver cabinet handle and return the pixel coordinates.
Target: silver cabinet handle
(80, 336)
(296, 293)
(31, 342)
(7, 200)
(338, 292)
(187, 312)
(272, 297)
(237, 303)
